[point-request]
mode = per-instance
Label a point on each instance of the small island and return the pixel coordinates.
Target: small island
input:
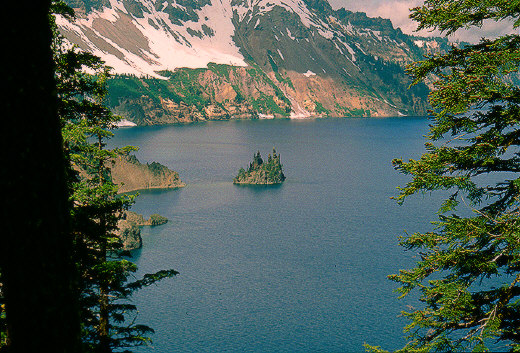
(129, 228)
(260, 172)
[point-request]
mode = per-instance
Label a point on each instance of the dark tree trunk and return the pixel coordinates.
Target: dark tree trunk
(35, 249)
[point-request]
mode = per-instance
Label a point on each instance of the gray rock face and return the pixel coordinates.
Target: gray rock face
(130, 235)
(129, 228)
(131, 175)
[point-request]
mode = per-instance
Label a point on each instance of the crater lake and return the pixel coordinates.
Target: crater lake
(297, 267)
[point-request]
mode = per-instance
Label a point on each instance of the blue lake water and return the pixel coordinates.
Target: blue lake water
(299, 267)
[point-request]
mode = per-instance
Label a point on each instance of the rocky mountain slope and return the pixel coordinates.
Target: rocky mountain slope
(190, 60)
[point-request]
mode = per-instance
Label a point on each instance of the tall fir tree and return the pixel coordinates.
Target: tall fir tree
(107, 315)
(468, 275)
(3, 324)
(39, 308)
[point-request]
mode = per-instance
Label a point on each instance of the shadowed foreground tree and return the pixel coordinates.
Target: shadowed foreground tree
(38, 282)
(469, 272)
(64, 286)
(108, 318)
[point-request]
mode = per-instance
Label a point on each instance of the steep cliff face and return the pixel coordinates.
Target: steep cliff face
(183, 61)
(131, 175)
(130, 235)
(129, 228)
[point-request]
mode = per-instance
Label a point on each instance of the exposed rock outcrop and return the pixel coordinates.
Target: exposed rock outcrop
(130, 235)
(131, 175)
(129, 228)
(138, 219)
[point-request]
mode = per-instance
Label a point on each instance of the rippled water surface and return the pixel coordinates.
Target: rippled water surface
(297, 267)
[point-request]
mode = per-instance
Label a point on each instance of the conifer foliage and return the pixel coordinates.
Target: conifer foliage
(469, 269)
(261, 172)
(107, 315)
(38, 301)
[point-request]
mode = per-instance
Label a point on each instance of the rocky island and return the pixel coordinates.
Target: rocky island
(129, 228)
(260, 172)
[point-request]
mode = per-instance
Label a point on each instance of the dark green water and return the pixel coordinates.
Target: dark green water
(298, 267)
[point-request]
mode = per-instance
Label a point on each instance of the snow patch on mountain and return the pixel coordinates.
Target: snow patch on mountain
(298, 7)
(151, 42)
(166, 45)
(350, 50)
(125, 123)
(265, 116)
(377, 34)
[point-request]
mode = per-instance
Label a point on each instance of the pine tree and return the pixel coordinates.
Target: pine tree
(86, 125)
(469, 272)
(257, 160)
(39, 309)
(3, 323)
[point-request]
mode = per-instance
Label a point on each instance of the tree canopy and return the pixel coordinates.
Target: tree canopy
(64, 283)
(38, 296)
(108, 318)
(468, 275)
